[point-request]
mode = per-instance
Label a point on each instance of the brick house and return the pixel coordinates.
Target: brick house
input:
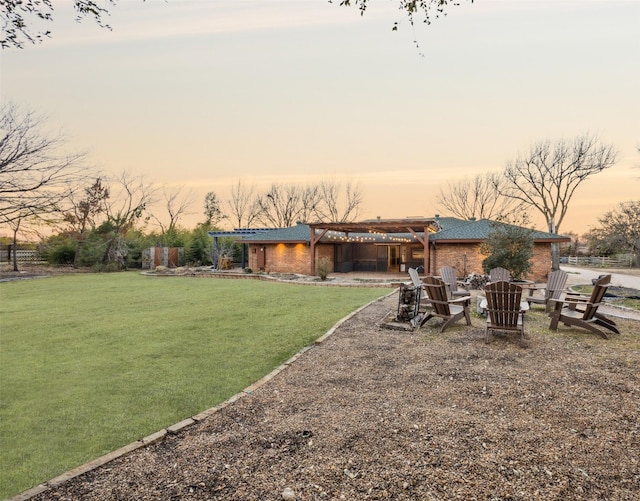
(384, 246)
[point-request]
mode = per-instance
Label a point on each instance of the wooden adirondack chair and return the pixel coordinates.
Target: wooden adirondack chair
(552, 289)
(451, 310)
(503, 308)
(582, 311)
(449, 277)
(498, 274)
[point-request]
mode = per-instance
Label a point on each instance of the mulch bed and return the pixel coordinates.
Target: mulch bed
(374, 413)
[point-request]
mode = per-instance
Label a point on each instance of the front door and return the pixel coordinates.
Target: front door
(261, 258)
(393, 258)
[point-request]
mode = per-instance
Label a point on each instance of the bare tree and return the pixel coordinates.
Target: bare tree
(337, 206)
(177, 204)
(548, 176)
(477, 197)
(280, 206)
(285, 205)
(35, 177)
(242, 205)
(130, 197)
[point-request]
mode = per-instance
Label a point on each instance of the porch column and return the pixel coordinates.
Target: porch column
(312, 248)
(426, 256)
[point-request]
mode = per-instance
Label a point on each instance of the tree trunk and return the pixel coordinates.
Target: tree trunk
(555, 248)
(14, 251)
(78, 251)
(555, 257)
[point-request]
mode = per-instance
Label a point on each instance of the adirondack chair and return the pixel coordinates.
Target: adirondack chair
(417, 283)
(582, 311)
(503, 308)
(552, 289)
(497, 274)
(451, 310)
(448, 275)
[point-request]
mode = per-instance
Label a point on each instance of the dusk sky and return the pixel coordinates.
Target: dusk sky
(202, 93)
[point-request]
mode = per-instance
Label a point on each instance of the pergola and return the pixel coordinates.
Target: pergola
(418, 227)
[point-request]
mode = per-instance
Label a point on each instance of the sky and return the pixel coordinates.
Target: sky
(200, 94)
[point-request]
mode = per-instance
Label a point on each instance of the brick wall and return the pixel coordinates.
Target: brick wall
(466, 259)
(288, 258)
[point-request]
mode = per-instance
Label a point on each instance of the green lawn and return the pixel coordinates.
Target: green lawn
(90, 362)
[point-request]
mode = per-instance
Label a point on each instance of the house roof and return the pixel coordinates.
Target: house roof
(451, 230)
(476, 230)
(300, 233)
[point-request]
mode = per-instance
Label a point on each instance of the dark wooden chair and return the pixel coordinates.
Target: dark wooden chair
(503, 308)
(553, 289)
(449, 277)
(582, 311)
(451, 310)
(498, 274)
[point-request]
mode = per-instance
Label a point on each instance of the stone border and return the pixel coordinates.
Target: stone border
(185, 423)
(304, 280)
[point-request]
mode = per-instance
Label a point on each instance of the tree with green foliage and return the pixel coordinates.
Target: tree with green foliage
(509, 247)
(212, 210)
(198, 247)
(423, 10)
(82, 213)
(20, 16)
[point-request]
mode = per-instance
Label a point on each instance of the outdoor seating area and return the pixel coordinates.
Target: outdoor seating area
(553, 289)
(449, 309)
(503, 302)
(504, 311)
(581, 311)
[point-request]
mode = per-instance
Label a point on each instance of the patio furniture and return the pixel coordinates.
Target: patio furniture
(504, 310)
(415, 278)
(451, 310)
(498, 274)
(582, 311)
(449, 277)
(417, 283)
(552, 289)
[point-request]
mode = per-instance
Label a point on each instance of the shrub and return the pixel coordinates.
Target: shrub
(509, 247)
(323, 268)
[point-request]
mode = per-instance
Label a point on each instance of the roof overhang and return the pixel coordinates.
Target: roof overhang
(381, 226)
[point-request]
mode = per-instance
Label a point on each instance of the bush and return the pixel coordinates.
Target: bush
(509, 247)
(323, 267)
(64, 254)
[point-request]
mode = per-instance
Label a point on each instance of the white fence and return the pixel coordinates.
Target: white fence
(622, 261)
(23, 255)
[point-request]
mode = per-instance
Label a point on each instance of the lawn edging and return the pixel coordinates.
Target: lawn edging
(185, 423)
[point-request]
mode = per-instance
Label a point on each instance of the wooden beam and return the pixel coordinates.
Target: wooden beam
(312, 249)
